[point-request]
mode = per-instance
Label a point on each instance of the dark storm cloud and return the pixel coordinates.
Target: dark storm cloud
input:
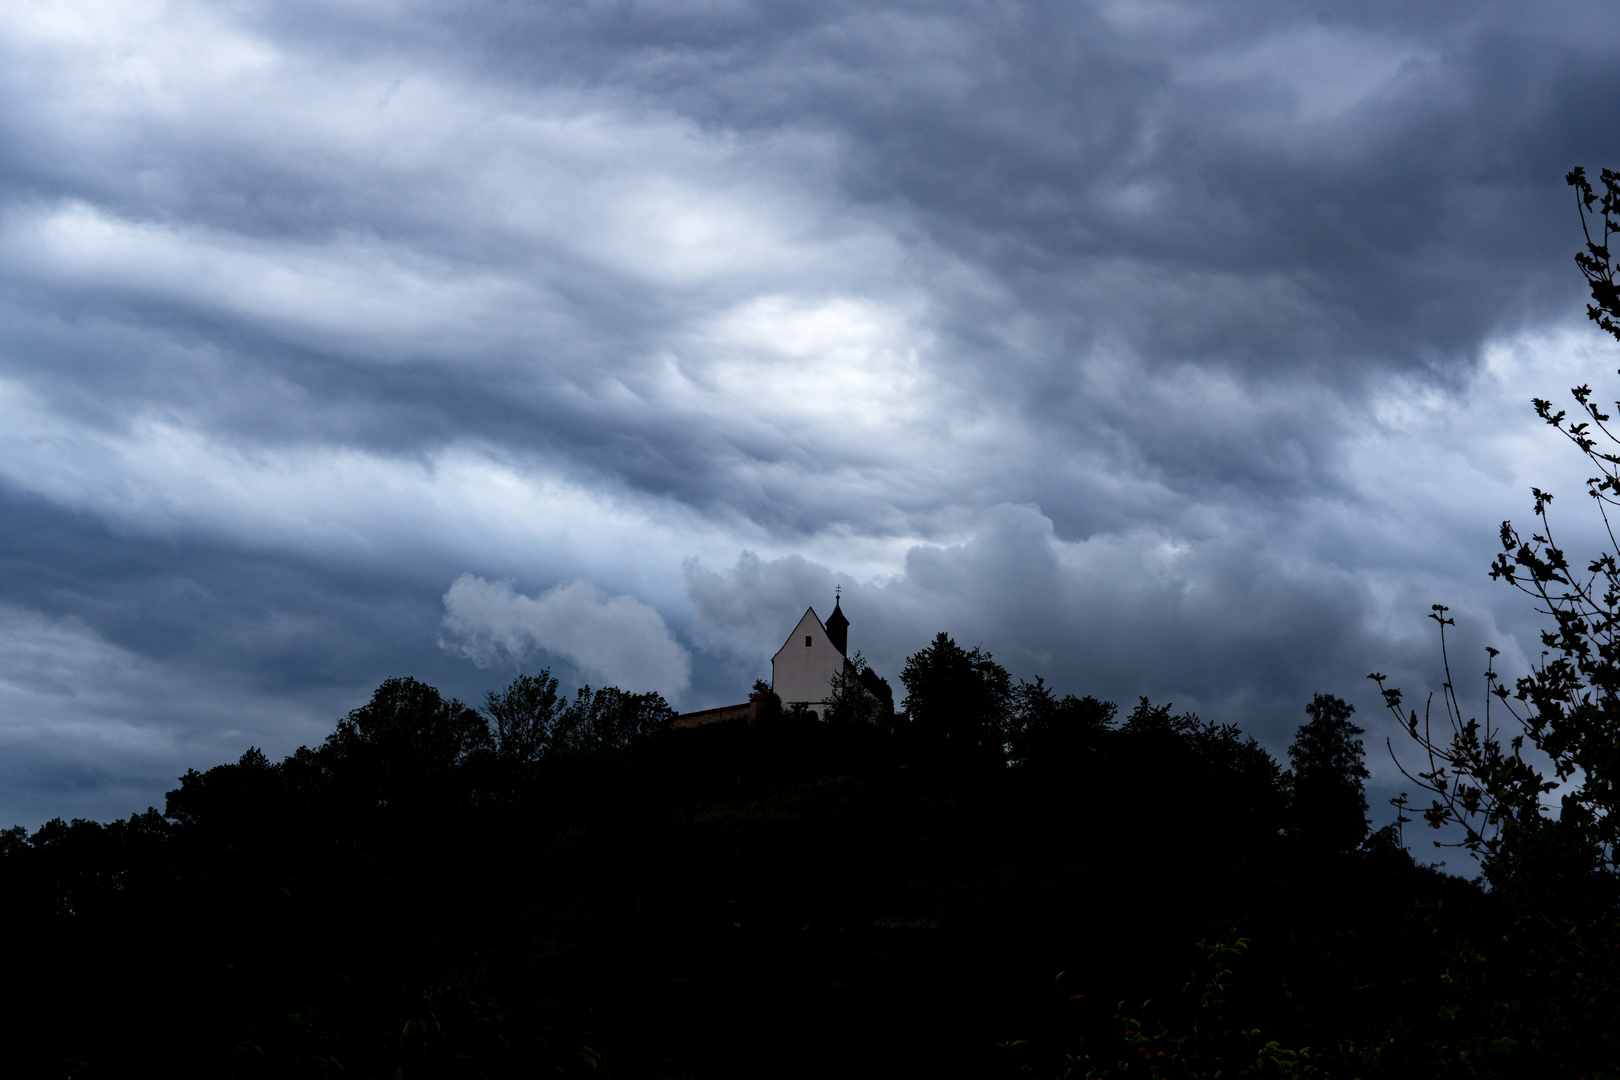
(1255, 181)
(1167, 349)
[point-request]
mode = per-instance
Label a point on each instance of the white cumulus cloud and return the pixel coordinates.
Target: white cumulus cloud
(618, 640)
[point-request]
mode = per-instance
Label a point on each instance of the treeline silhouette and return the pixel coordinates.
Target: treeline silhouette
(555, 886)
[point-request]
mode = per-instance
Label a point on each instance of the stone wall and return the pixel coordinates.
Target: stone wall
(746, 713)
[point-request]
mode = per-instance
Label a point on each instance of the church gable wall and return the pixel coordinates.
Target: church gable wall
(801, 672)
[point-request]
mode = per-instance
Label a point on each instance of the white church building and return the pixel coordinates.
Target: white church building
(802, 670)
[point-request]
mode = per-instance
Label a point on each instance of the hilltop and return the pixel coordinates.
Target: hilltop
(790, 897)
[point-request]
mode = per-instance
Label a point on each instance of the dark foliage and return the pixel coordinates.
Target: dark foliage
(851, 698)
(405, 744)
(957, 706)
(876, 685)
(525, 717)
(1329, 801)
(566, 887)
(1047, 733)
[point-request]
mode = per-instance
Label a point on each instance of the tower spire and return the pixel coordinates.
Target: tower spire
(837, 625)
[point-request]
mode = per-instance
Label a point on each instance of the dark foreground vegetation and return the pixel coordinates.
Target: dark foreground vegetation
(570, 888)
(552, 887)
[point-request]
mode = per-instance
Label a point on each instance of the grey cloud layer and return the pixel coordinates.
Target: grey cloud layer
(618, 641)
(1168, 349)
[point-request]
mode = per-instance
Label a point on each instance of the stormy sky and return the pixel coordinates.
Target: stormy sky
(1177, 349)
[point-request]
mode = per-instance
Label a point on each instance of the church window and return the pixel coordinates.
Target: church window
(807, 641)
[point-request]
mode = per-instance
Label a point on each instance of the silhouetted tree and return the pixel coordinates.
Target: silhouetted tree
(848, 699)
(877, 686)
(525, 716)
(1047, 732)
(1328, 801)
(405, 738)
(1156, 723)
(957, 705)
(1209, 778)
(610, 718)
